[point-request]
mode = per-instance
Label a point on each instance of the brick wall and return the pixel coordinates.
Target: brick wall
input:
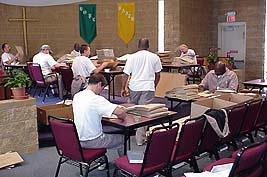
(253, 13)
(193, 22)
(59, 26)
(18, 125)
(188, 22)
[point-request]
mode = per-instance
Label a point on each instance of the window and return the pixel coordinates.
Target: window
(160, 25)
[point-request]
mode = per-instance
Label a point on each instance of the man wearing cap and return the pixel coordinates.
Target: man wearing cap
(47, 62)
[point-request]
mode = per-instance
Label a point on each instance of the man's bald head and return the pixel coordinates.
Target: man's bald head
(220, 68)
(143, 44)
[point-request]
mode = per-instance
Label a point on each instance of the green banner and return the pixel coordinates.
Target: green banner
(87, 15)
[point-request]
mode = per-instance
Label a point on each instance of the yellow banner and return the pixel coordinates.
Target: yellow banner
(126, 24)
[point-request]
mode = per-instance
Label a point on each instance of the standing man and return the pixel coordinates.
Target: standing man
(8, 58)
(143, 68)
(88, 109)
(82, 68)
(219, 78)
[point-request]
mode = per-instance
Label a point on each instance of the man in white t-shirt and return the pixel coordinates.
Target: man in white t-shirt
(76, 50)
(143, 68)
(82, 68)
(8, 58)
(188, 54)
(47, 63)
(88, 108)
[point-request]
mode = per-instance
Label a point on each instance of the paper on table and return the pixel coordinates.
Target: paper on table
(203, 174)
(20, 52)
(113, 116)
(222, 168)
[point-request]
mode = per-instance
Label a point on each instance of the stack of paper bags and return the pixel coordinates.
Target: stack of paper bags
(165, 57)
(187, 60)
(187, 92)
(148, 110)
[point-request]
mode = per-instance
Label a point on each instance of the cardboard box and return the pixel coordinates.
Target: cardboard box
(236, 98)
(199, 107)
(58, 110)
(10, 158)
(168, 81)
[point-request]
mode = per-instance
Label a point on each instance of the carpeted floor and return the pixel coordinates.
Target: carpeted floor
(43, 163)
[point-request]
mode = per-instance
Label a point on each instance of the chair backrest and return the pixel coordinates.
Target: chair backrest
(66, 138)
(251, 116)
(188, 140)
(249, 160)
(30, 71)
(200, 61)
(37, 75)
(159, 149)
(235, 118)
(209, 139)
(67, 77)
(262, 117)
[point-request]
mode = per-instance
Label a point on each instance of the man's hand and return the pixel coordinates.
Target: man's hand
(123, 93)
(201, 88)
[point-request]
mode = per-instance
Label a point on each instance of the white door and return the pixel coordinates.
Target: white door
(232, 40)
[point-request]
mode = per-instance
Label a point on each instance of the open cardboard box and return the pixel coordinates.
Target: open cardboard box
(236, 98)
(198, 108)
(57, 110)
(10, 158)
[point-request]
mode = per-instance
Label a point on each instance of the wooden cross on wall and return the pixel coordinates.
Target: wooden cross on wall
(24, 20)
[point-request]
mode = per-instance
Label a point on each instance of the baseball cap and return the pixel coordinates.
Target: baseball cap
(45, 46)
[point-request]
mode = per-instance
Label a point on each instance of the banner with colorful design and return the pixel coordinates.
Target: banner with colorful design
(87, 17)
(126, 21)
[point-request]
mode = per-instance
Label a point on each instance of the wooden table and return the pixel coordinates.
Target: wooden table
(19, 66)
(110, 75)
(257, 83)
(191, 67)
(130, 123)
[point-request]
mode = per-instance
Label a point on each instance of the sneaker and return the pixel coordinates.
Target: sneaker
(102, 167)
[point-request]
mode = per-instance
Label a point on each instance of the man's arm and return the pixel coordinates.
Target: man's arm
(157, 78)
(8, 61)
(233, 82)
(120, 112)
(123, 88)
(101, 67)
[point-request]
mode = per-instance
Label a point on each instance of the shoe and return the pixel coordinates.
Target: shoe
(102, 167)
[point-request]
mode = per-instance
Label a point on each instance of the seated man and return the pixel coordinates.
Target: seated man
(47, 63)
(8, 58)
(88, 109)
(219, 78)
(187, 54)
(82, 68)
(76, 50)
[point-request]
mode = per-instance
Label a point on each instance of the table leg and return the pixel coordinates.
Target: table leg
(126, 137)
(113, 86)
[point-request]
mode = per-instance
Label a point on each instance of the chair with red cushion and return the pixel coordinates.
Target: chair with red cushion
(209, 141)
(38, 78)
(235, 118)
(261, 122)
(157, 154)
(186, 146)
(250, 118)
(247, 162)
(67, 77)
(69, 148)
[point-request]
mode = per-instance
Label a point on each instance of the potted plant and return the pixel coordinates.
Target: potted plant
(18, 80)
(212, 58)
